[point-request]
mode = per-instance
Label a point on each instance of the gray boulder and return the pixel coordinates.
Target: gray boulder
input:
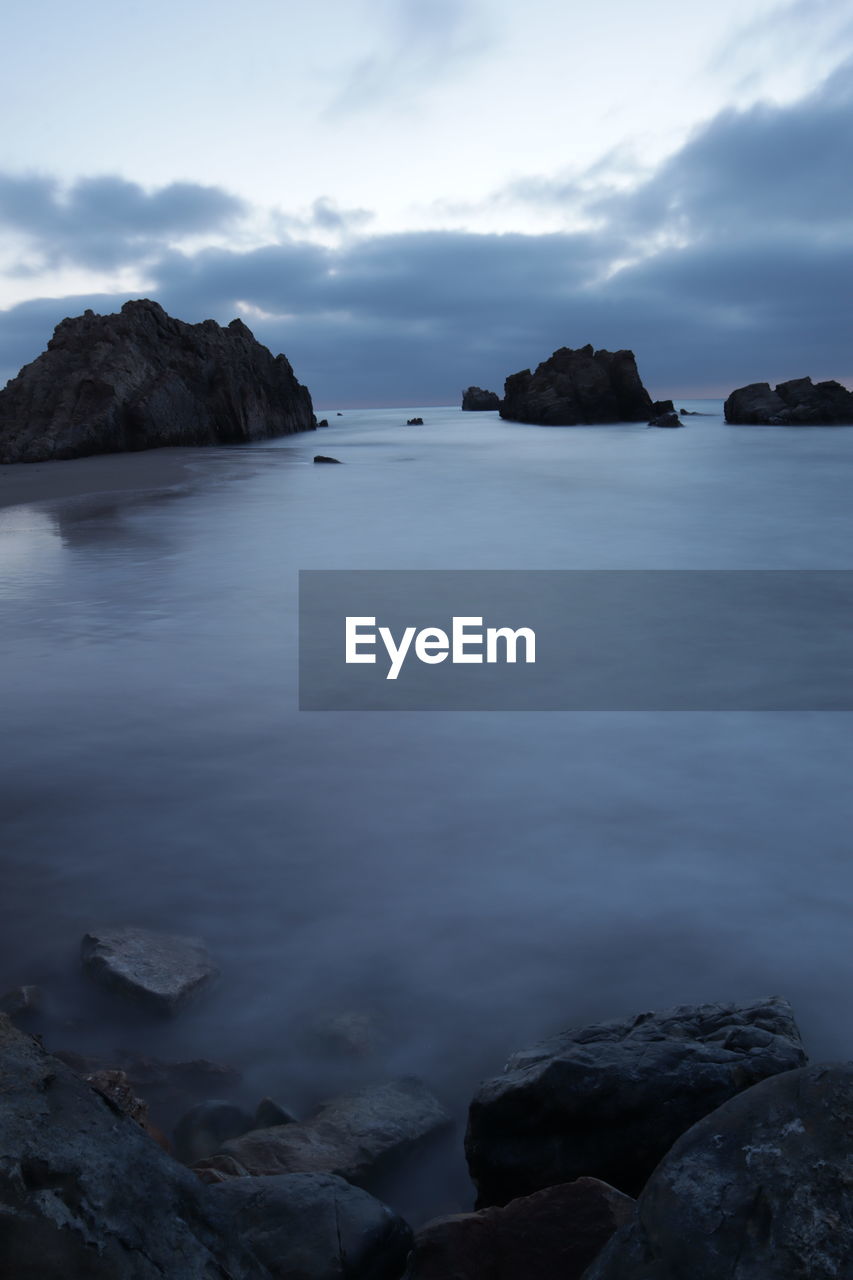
(477, 400)
(160, 970)
(309, 1226)
(355, 1136)
(86, 1194)
(578, 386)
(607, 1101)
(761, 1189)
(140, 380)
(798, 402)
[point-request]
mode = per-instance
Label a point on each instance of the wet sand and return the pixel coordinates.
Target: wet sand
(33, 482)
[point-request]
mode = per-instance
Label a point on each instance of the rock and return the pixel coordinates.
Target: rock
(552, 1235)
(799, 402)
(669, 419)
(324, 422)
(582, 386)
(355, 1033)
(355, 1136)
(204, 1128)
(117, 1089)
(309, 1226)
(760, 1188)
(169, 1088)
(269, 1114)
(414, 422)
(140, 380)
(320, 458)
(85, 1194)
(476, 399)
(608, 1101)
(20, 1002)
(161, 970)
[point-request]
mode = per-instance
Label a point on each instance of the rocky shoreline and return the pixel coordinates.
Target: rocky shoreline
(691, 1141)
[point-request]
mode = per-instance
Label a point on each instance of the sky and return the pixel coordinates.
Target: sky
(410, 196)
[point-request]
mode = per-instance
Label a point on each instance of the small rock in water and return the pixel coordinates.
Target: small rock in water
(161, 970)
(319, 457)
(21, 1001)
(269, 1114)
(206, 1126)
(354, 1033)
(324, 422)
(669, 419)
(414, 422)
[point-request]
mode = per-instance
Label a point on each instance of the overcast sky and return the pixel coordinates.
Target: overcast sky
(408, 196)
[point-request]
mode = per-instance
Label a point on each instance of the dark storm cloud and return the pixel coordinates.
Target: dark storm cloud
(103, 222)
(731, 263)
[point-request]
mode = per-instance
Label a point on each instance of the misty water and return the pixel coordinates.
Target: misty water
(471, 881)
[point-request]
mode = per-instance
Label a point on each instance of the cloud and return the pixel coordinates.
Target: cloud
(104, 222)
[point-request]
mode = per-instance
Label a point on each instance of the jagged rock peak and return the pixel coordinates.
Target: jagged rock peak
(578, 386)
(140, 379)
(475, 398)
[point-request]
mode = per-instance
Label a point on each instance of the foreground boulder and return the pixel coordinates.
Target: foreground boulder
(85, 1194)
(608, 1101)
(761, 1189)
(308, 1226)
(552, 1235)
(355, 1136)
(799, 402)
(476, 399)
(160, 970)
(582, 386)
(140, 379)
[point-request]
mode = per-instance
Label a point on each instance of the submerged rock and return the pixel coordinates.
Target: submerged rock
(477, 400)
(140, 379)
(319, 457)
(578, 386)
(761, 1187)
(204, 1128)
(668, 419)
(798, 402)
(21, 1002)
(552, 1235)
(268, 1114)
(608, 1100)
(355, 1136)
(85, 1194)
(160, 970)
(309, 1226)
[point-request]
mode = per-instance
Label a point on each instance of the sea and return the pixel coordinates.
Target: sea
(455, 885)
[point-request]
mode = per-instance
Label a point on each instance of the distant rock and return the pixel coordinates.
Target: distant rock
(799, 402)
(324, 422)
(608, 1100)
(160, 970)
(355, 1135)
(476, 399)
(414, 422)
(310, 1226)
(86, 1193)
(140, 379)
(761, 1188)
(319, 457)
(668, 419)
(578, 386)
(552, 1235)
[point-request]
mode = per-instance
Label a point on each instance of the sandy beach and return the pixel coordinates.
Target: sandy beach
(34, 482)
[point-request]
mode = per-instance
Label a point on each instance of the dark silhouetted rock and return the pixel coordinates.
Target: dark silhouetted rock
(21, 1002)
(324, 422)
(318, 457)
(476, 399)
(356, 1135)
(269, 1114)
(310, 1226)
(552, 1235)
(669, 419)
(204, 1128)
(799, 402)
(160, 970)
(414, 422)
(85, 1194)
(582, 386)
(608, 1100)
(140, 380)
(761, 1189)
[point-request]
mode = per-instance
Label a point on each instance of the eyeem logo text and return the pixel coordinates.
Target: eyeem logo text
(467, 642)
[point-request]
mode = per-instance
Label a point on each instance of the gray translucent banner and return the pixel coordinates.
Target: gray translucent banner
(603, 640)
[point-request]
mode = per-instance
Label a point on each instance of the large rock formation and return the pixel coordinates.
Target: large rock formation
(761, 1189)
(608, 1101)
(476, 399)
(139, 380)
(799, 402)
(575, 387)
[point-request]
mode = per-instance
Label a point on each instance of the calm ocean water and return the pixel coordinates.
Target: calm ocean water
(470, 880)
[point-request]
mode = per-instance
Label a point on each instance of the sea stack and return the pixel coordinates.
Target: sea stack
(578, 386)
(476, 399)
(796, 403)
(139, 379)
